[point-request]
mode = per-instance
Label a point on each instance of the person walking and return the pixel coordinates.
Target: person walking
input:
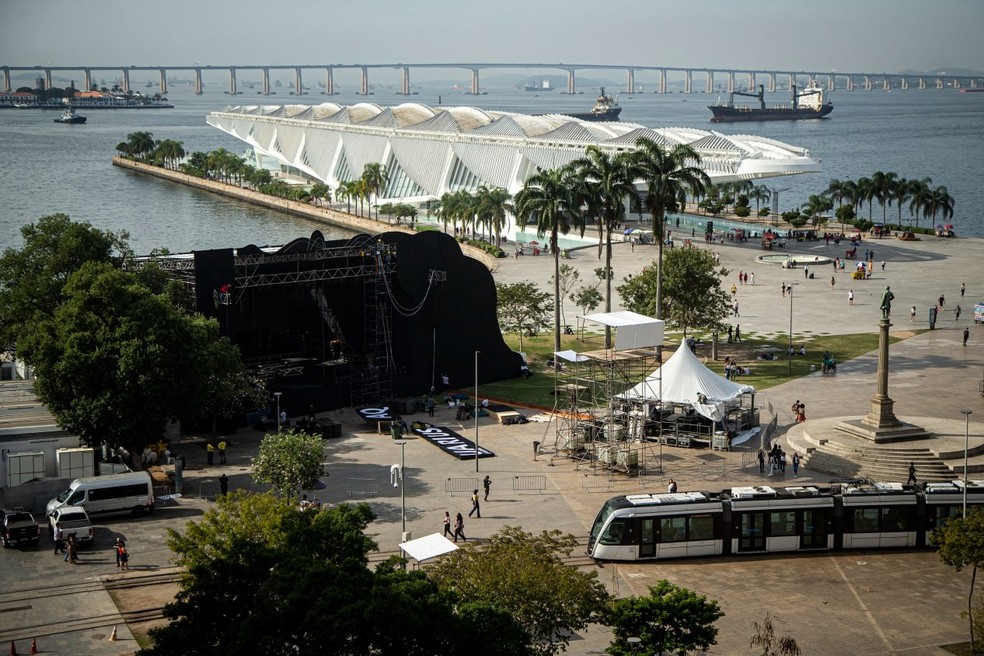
(782, 288)
(475, 507)
(487, 484)
(782, 462)
(430, 406)
(942, 301)
(735, 308)
(796, 464)
(731, 334)
(222, 449)
(72, 554)
(806, 271)
(447, 524)
(761, 459)
(963, 288)
(59, 542)
(119, 546)
(833, 281)
(738, 333)
(734, 290)
(912, 474)
(672, 487)
(752, 275)
(956, 313)
(124, 557)
(210, 452)
(459, 528)
(912, 314)
(850, 297)
(966, 335)
(224, 484)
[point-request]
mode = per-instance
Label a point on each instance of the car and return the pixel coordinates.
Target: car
(74, 520)
(19, 526)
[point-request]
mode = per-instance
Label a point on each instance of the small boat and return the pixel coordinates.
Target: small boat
(606, 108)
(70, 116)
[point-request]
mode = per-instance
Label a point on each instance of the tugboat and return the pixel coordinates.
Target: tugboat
(806, 104)
(70, 116)
(606, 109)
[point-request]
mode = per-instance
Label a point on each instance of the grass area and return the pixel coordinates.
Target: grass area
(538, 391)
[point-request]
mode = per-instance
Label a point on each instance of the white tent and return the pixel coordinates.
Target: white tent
(427, 547)
(632, 330)
(685, 380)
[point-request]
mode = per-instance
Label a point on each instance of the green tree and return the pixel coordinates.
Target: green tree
(547, 195)
(108, 357)
(771, 644)
(140, 144)
(670, 620)
(569, 277)
(521, 306)
(32, 278)
(961, 544)
(289, 461)
(587, 298)
(492, 207)
(669, 177)
(169, 152)
(321, 193)
(374, 179)
(609, 179)
(524, 574)
(693, 298)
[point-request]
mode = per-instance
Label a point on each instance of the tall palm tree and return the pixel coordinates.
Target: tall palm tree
(937, 201)
(492, 206)
(547, 195)
(919, 190)
(669, 176)
(375, 177)
(900, 193)
(760, 193)
(865, 194)
(170, 152)
(607, 179)
(342, 193)
(882, 184)
(141, 143)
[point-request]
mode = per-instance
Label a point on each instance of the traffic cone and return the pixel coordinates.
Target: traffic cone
(112, 636)
(13, 648)
(34, 645)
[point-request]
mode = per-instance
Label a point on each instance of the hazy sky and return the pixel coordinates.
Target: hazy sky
(841, 35)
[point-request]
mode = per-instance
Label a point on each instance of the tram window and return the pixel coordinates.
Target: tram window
(865, 520)
(895, 519)
(673, 529)
(782, 523)
(613, 534)
(701, 527)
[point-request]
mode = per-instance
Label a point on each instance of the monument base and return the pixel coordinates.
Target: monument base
(899, 432)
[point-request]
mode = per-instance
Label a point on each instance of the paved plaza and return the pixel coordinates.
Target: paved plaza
(879, 602)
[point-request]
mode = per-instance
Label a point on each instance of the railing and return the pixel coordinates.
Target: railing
(464, 485)
(529, 483)
(361, 487)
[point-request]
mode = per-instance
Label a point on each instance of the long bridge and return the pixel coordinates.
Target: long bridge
(830, 79)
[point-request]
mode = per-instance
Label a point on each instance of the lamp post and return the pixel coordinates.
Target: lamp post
(966, 414)
(403, 494)
(277, 394)
(477, 406)
(789, 352)
(633, 643)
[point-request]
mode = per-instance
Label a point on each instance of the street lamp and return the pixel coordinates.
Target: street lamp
(633, 643)
(277, 394)
(477, 406)
(966, 414)
(789, 353)
(398, 478)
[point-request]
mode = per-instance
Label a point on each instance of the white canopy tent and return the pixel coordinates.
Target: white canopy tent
(683, 379)
(427, 547)
(632, 331)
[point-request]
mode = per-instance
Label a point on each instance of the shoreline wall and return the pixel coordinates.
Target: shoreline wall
(321, 214)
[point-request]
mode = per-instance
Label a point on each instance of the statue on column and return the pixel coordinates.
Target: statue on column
(886, 302)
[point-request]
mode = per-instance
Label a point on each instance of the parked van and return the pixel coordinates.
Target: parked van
(103, 495)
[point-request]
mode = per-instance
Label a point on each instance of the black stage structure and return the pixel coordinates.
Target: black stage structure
(340, 323)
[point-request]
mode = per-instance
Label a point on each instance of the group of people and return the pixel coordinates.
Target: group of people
(456, 529)
(778, 459)
(212, 446)
(69, 546)
(799, 411)
(732, 369)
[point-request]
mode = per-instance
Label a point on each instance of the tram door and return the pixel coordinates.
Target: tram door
(752, 532)
(814, 535)
(647, 535)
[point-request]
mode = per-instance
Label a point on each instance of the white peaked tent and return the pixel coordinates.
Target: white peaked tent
(684, 380)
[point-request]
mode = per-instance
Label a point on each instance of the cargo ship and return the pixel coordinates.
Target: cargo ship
(806, 104)
(542, 85)
(605, 108)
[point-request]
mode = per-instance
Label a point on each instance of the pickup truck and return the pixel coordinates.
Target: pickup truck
(73, 520)
(19, 526)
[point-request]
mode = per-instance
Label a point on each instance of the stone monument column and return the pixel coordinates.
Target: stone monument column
(882, 413)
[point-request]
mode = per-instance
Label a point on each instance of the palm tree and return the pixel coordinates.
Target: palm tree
(343, 193)
(607, 181)
(919, 190)
(492, 207)
(547, 196)
(760, 193)
(937, 201)
(865, 194)
(375, 177)
(140, 143)
(816, 205)
(669, 176)
(169, 151)
(900, 193)
(882, 184)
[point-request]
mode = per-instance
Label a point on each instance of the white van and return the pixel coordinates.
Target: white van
(102, 495)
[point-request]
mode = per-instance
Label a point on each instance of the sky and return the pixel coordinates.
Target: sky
(822, 35)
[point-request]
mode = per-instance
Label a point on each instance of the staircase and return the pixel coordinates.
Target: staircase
(875, 462)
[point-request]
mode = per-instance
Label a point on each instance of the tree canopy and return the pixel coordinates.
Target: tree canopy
(32, 277)
(263, 577)
(692, 294)
(524, 575)
(670, 620)
(115, 362)
(521, 305)
(961, 544)
(289, 461)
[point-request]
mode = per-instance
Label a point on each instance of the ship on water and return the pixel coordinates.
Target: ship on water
(806, 104)
(605, 108)
(541, 85)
